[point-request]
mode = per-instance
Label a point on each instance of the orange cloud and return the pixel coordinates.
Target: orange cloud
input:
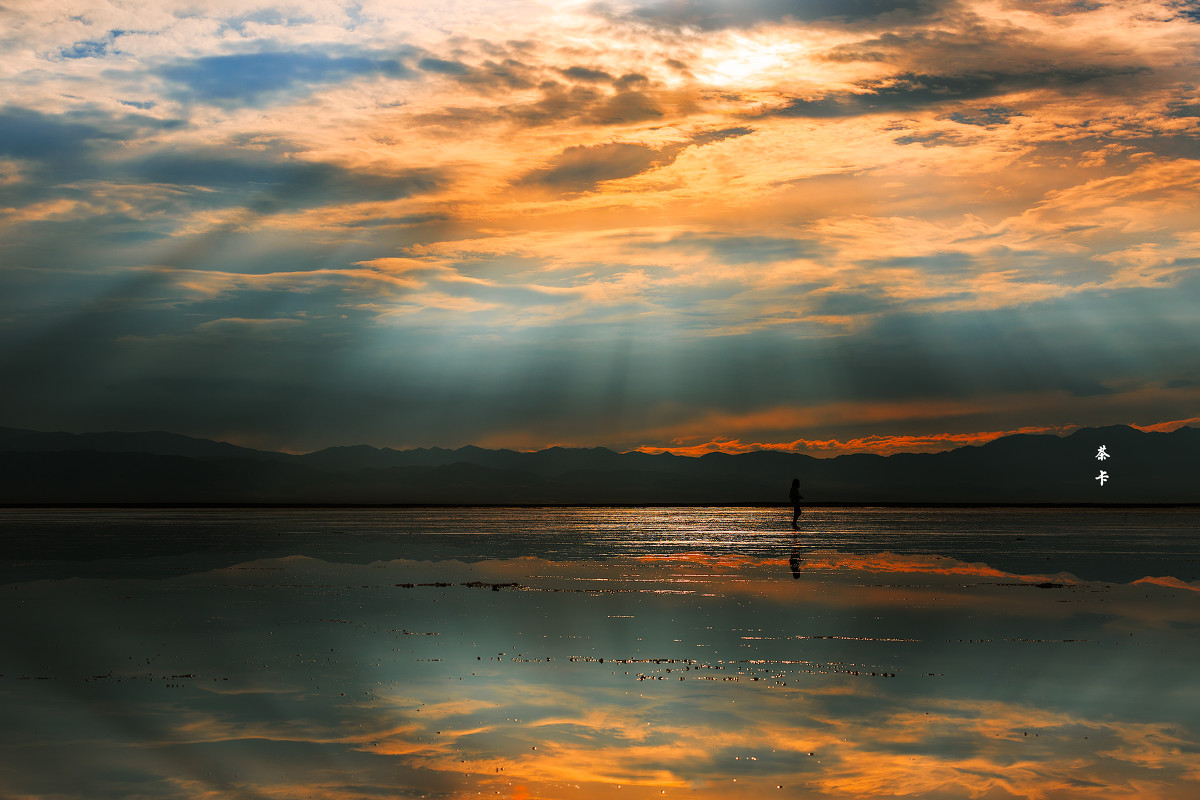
(1167, 427)
(830, 560)
(880, 445)
(1170, 583)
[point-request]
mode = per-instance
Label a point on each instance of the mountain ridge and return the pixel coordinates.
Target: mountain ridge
(163, 467)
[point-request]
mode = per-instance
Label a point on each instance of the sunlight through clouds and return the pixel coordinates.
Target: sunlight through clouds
(803, 184)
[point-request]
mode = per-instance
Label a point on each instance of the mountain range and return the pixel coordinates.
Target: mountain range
(157, 467)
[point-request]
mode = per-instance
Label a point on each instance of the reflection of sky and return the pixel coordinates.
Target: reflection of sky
(714, 675)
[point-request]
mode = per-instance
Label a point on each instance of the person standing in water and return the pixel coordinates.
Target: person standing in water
(795, 496)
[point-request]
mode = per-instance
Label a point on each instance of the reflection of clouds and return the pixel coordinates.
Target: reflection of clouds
(879, 746)
(836, 578)
(1005, 717)
(831, 560)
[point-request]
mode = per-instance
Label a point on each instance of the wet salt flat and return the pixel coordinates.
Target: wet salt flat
(546, 653)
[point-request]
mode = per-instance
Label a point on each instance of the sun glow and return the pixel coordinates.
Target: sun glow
(753, 61)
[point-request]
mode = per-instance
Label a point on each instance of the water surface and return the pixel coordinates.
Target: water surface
(546, 653)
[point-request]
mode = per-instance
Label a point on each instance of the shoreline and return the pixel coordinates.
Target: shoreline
(183, 505)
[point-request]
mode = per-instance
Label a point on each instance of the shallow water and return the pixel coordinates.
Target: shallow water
(548, 653)
(1097, 544)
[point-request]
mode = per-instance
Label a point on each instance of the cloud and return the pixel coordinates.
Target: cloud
(1171, 425)
(625, 107)
(86, 50)
(587, 75)
(231, 80)
(853, 303)
(269, 185)
(580, 168)
(443, 67)
(1188, 9)
(914, 91)
(986, 117)
(879, 445)
(245, 329)
(711, 15)
(590, 105)
(733, 248)
(910, 201)
(489, 76)
(25, 133)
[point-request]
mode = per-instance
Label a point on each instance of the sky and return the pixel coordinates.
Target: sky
(692, 225)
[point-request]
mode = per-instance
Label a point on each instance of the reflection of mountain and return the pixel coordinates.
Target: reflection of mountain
(168, 468)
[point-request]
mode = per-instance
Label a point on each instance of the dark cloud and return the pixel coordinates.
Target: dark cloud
(137, 202)
(488, 77)
(1188, 9)
(62, 151)
(624, 107)
(934, 139)
(557, 104)
(442, 67)
(1185, 110)
(631, 79)
(266, 183)
(447, 386)
(980, 61)
(720, 14)
(122, 366)
(252, 77)
(707, 137)
(1083, 344)
(584, 96)
(587, 75)
(32, 134)
(507, 75)
(984, 117)
(592, 105)
(580, 168)
(911, 91)
(895, 48)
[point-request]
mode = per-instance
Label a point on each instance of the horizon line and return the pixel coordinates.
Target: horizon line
(879, 445)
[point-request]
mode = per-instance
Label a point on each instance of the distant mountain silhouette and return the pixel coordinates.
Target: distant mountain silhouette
(156, 442)
(159, 467)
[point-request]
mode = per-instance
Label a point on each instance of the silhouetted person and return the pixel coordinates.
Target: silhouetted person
(795, 496)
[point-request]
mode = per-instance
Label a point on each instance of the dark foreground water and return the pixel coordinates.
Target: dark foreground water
(596, 653)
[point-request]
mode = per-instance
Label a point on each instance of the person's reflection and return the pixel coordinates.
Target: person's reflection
(794, 561)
